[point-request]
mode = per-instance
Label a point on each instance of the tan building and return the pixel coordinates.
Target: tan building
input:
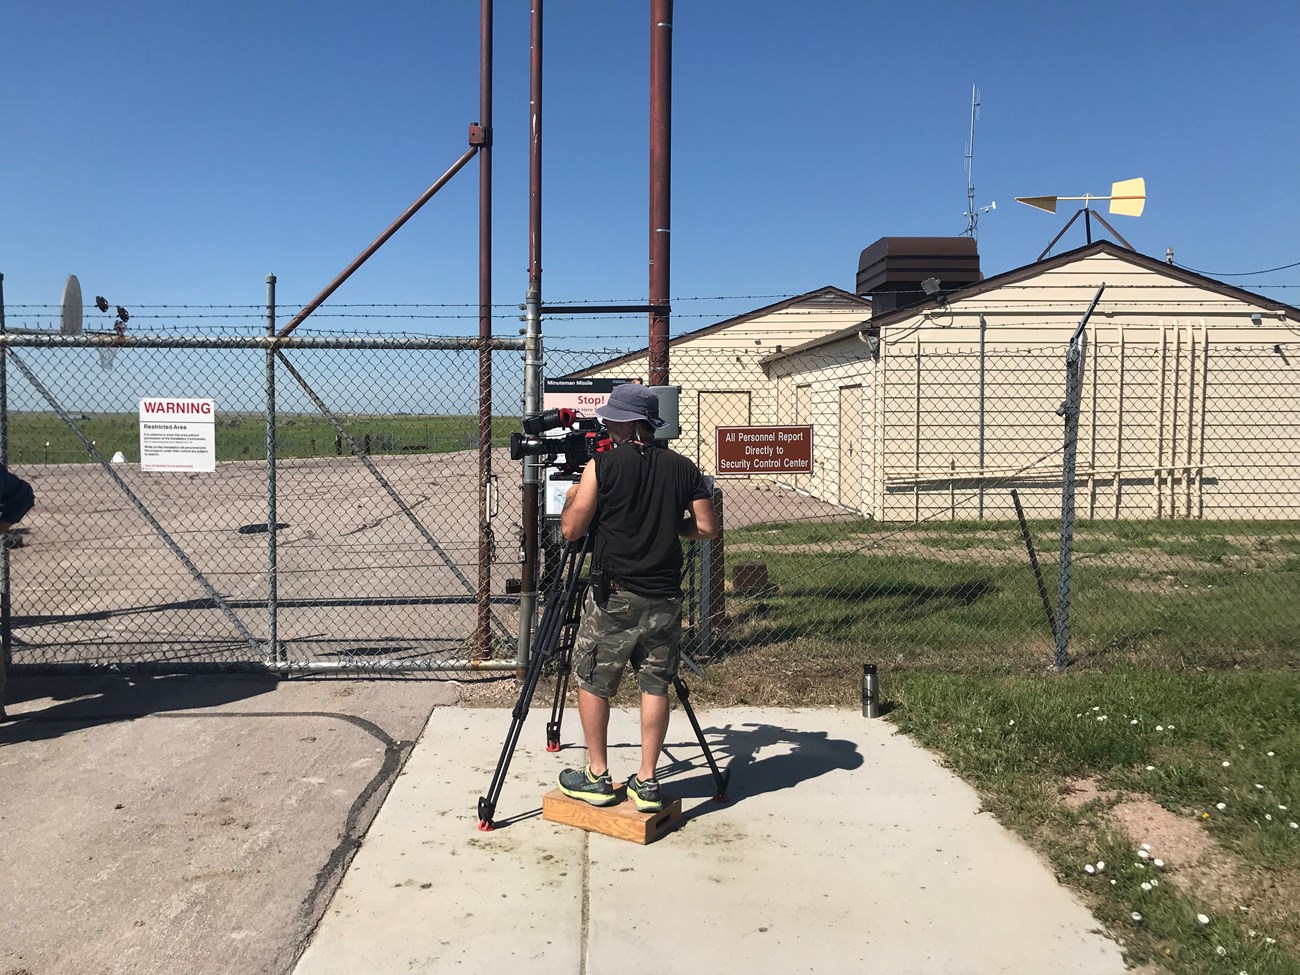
(719, 366)
(940, 404)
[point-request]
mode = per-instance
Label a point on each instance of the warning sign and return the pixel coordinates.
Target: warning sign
(178, 435)
(764, 450)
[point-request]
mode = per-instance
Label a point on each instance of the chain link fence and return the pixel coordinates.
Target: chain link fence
(926, 530)
(338, 529)
(931, 533)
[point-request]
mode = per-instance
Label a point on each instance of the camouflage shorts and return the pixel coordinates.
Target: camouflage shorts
(631, 629)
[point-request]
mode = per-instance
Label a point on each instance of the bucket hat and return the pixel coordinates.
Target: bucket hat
(629, 403)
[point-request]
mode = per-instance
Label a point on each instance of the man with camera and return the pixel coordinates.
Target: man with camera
(639, 498)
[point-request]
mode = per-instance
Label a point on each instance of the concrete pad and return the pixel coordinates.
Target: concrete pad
(183, 824)
(844, 846)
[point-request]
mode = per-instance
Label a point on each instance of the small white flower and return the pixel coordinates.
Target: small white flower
(1112, 883)
(1226, 764)
(1221, 806)
(1295, 825)
(1160, 727)
(1089, 868)
(1258, 786)
(1268, 816)
(1204, 919)
(1136, 916)
(1158, 862)
(1220, 951)
(1011, 722)
(1101, 865)
(1270, 941)
(1142, 853)
(1146, 886)
(1134, 721)
(1154, 882)
(1097, 708)
(1151, 768)
(1171, 727)
(1101, 717)
(1146, 846)
(1270, 754)
(1252, 932)
(1282, 807)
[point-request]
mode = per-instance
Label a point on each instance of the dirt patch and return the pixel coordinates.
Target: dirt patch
(1195, 863)
(1077, 793)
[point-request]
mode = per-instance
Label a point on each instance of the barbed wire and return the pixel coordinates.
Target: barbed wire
(640, 299)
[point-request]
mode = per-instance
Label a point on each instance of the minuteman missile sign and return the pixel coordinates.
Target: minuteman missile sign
(178, 434)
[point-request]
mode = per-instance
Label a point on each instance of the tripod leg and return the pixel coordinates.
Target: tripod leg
(559, 609)
(565, 668)
(719, 777)
(557, 705)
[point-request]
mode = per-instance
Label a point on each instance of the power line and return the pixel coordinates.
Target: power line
(1240, 274)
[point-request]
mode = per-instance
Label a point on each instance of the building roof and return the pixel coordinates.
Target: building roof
(828, 295)
(1038, 267)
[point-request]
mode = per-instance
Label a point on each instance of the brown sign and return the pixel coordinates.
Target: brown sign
(764, 450)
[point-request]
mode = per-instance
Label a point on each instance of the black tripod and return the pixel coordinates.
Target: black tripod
(556, 634)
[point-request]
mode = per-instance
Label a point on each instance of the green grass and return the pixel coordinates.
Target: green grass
(242, 436)
(1018, 739)
(962, 597)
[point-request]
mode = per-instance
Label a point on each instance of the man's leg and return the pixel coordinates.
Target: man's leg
(654, 729)
(594, 712)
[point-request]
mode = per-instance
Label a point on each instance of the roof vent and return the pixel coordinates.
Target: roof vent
(891, 270)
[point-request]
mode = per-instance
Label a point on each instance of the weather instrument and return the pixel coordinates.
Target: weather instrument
(1127, 198)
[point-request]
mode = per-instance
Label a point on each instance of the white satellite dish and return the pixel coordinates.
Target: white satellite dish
(70, 323)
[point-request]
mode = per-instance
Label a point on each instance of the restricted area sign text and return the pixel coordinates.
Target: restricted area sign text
(765, 450)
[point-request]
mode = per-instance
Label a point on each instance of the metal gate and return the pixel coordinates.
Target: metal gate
(339, 531)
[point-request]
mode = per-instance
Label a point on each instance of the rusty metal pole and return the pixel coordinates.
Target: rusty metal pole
(661, 105)
(475, 144)
(532, 469)
(483, 636)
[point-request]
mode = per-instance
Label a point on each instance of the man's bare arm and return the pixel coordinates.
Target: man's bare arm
(580, 505)
(701, 521)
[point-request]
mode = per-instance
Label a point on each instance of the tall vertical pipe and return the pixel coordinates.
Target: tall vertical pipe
(661, 110)
(532, 341)
(272, 516)
(483, 632)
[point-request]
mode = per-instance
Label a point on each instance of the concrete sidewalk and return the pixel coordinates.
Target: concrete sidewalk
(844, 847)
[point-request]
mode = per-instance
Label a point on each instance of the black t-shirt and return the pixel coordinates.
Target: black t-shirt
(642, 494)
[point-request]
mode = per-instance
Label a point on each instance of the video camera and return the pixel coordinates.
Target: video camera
(569, 453)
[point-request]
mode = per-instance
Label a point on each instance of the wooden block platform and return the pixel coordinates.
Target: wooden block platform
(621, 821)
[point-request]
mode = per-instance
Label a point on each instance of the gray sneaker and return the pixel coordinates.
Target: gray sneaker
(645, 793)
(579, 783)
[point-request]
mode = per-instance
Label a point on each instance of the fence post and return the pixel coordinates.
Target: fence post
(1074, 360)
(272, 560)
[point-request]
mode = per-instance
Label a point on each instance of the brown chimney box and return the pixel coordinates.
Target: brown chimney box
(891, 270)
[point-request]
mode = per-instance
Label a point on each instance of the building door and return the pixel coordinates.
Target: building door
(850, 447)
(718, 409)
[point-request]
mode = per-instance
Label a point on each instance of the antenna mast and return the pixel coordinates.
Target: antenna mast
(973, 212)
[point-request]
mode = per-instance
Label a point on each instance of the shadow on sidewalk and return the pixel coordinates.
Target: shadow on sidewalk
(802, 755)
(85, 702)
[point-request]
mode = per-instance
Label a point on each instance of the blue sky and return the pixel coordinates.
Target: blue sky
(175, 153)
